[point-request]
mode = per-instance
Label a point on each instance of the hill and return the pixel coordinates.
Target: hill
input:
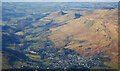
(59, 35)
(90, 35)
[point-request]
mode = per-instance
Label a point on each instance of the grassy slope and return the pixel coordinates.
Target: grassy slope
(98, 30)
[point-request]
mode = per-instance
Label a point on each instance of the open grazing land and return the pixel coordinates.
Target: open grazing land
(60, 35)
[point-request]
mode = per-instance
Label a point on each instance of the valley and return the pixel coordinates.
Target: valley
(60, 36)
